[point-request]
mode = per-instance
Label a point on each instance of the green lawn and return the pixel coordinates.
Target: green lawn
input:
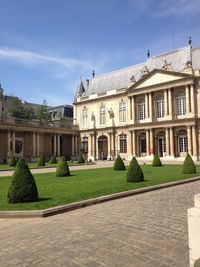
(85, 184)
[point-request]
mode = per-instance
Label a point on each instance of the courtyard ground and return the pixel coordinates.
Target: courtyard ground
(146, 230)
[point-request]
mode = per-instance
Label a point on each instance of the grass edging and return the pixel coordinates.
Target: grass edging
(85, 203)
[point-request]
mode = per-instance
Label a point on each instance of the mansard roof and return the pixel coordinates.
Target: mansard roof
(123, 78)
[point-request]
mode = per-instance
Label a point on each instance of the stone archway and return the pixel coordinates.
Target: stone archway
(102, 147)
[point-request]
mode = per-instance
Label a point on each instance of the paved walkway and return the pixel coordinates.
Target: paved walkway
(147, 230)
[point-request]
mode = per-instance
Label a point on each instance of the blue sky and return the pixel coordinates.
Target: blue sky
(47, 45)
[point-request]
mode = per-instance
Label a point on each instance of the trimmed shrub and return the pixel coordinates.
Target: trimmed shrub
(134, 172)
(53, 160)
(63, 168)
(41, 161)
(156, 161)
(119, 164)
(188, 165)
(13, 162)
(81, 158)
(22, 187)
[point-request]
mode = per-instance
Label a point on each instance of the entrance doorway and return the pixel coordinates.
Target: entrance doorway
(19, 146)
(102, 147)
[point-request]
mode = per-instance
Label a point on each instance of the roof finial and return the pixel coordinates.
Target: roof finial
(93, 74)
(148, 53)
(190, 42)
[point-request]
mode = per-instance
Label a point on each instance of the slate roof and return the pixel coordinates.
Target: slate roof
(121, 78)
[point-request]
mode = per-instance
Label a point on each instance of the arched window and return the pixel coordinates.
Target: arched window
(182, 141)
(85, 117)
(85, 144)
(141, 109)
(102, 114)
(123, 143)
(122, 111)
(160, 106)
(181, 103)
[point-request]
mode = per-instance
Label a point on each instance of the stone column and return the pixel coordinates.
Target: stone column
(187, 98)
(130, 107)
(147, 142)
(38, 144)
(151, 140)
(194, 140)
(146, 106)
(8, 144)
(150, 106)
(171, 141)
(73, 145)
(170, 102)
(166, 102)
(192, 98)
(34, 144)
(189, 140)
(58, 145)
(133, 109)
(167, 141)
(55, 145)
(13, 143)
(129, 144)
(134, 142)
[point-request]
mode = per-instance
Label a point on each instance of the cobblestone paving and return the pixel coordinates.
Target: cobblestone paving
(147, 230)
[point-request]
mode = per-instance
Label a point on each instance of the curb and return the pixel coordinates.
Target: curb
(85, 203)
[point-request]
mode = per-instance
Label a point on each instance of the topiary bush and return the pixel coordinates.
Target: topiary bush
(41, 161)
(13, 162)
(134, 172)
(156, 161)
(81, 158)
(188, 165)
(63, 168)
(119, 164)
(53, 160)
(22, 187)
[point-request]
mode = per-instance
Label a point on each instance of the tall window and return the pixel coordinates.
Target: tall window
(160, 106)
(181, 103)
(85, 117)
(102, 115)
(85, 144)
(141, 109)
(183, 142)
(123, 143)
(122, 111)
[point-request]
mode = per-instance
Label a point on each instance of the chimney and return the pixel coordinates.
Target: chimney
(93, 74)
(148, 54)
(190, 42)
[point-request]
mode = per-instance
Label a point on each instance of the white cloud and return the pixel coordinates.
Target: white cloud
(32, 58)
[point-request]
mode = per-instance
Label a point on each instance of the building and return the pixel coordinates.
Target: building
(61, 112)
(32, 138)
(146, 108)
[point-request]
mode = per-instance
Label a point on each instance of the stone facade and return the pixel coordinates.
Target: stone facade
(147, 108)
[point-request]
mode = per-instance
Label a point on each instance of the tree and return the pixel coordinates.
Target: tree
(13, 162)
(29, 113)
(156, 161)
(22, 187)
(42, 112)
(188, 165)
(53, 160)
(63, 169)
(41, 161)
(15, 107)
(119, 164)
(81, 158)
(134, 172)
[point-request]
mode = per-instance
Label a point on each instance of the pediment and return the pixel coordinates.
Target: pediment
(159, 77)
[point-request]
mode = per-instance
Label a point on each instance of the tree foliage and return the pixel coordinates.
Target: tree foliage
(53, 160)
(134, 172)
(119, 164)
(22, 187)
(156, 161)
(62, 169)
(188, 165)
(41, 161)
(81, 158)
